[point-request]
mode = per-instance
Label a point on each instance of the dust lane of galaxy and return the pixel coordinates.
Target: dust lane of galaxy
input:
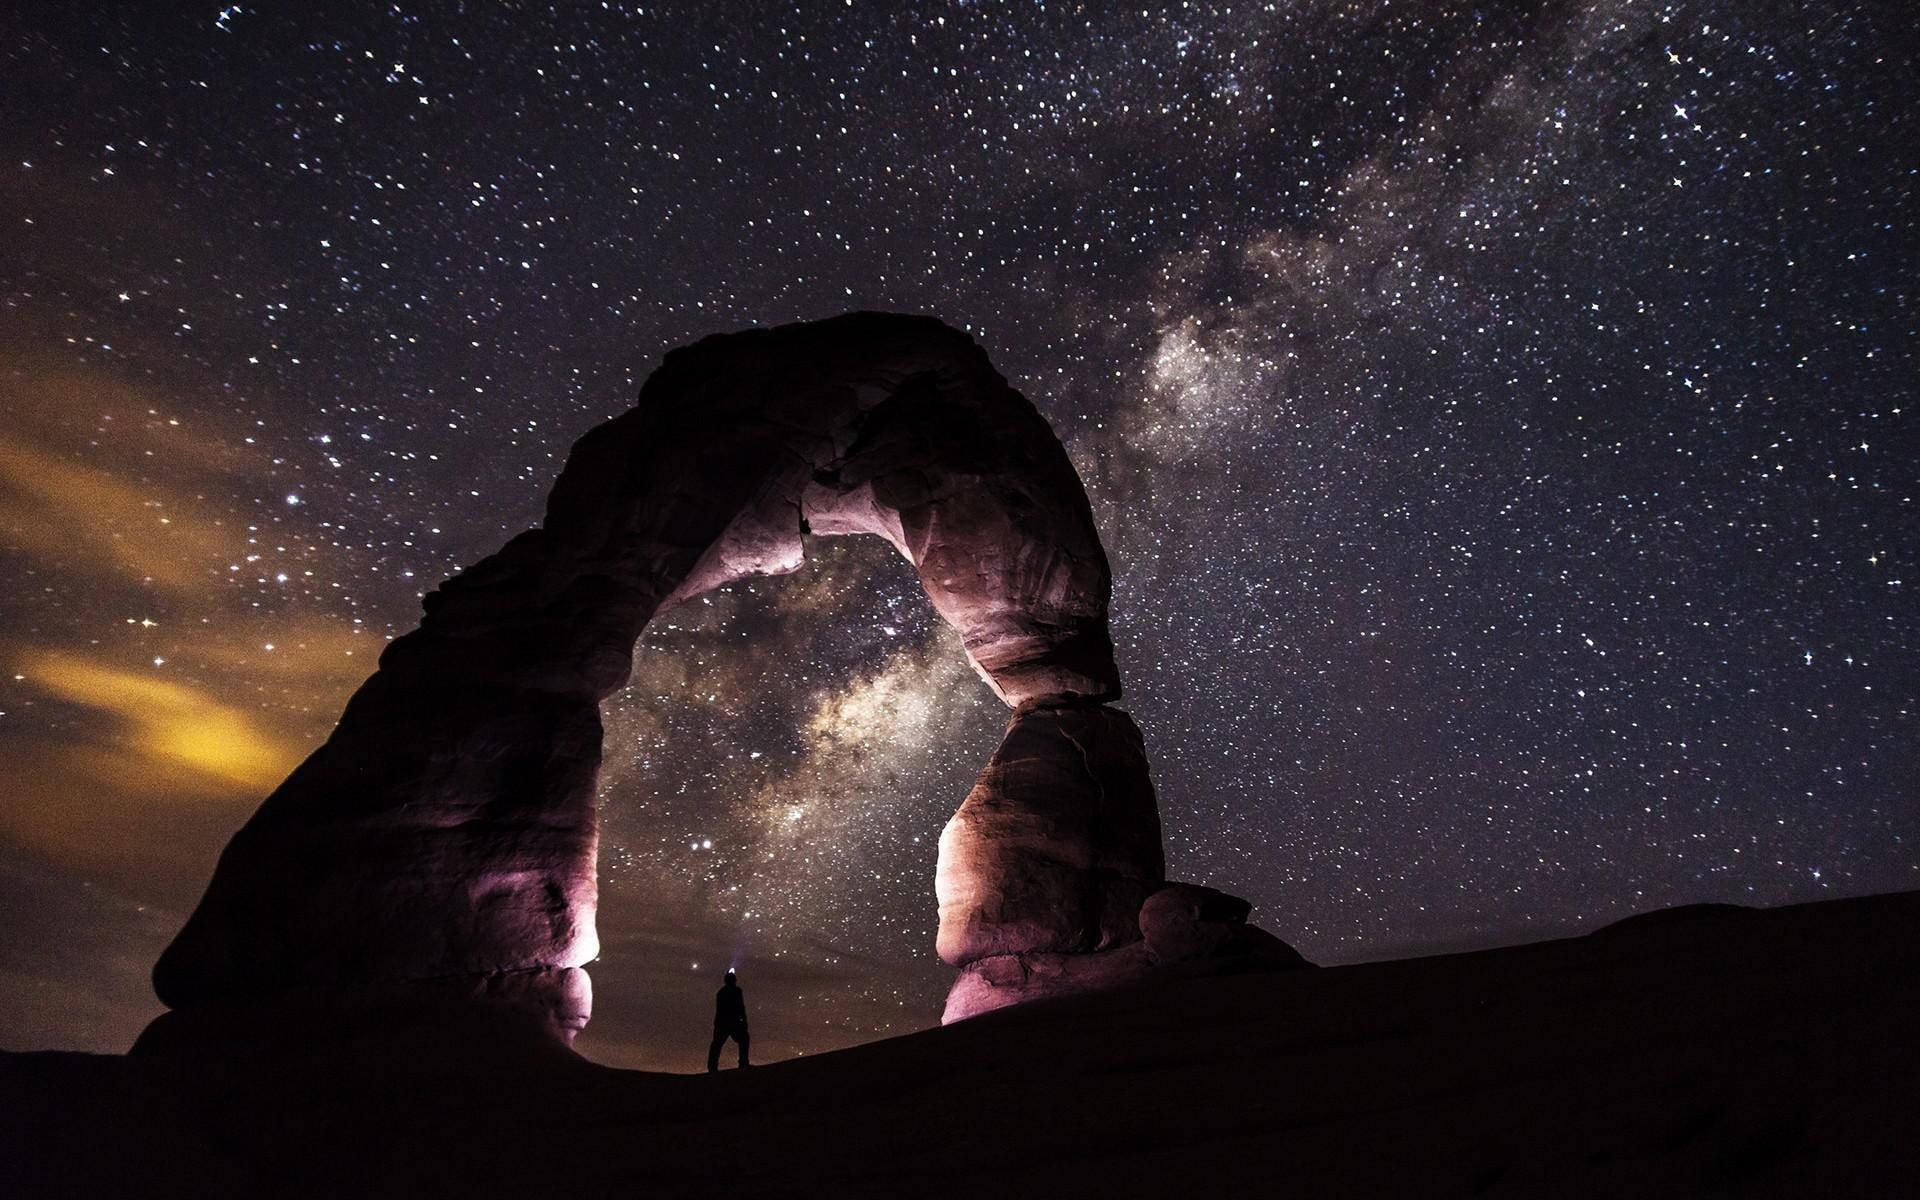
(1501, 419)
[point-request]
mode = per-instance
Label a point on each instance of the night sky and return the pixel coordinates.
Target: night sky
(1502, 421)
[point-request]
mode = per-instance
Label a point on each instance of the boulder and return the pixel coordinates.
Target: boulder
(1185, 925)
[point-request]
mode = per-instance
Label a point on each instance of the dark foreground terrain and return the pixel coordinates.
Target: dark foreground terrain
(1706, 1051)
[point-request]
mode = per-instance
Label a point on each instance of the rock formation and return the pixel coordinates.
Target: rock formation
(1184, 930)
(442, 841)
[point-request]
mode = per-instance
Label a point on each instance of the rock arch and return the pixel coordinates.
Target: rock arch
(442, 841)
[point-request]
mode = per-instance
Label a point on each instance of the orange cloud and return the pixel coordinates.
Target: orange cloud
(136, 744)
(170, 726)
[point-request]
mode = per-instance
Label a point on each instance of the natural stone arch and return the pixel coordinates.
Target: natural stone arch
(442, 841)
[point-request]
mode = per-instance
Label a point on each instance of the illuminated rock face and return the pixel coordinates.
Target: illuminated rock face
(446, 830)
(1058, 843)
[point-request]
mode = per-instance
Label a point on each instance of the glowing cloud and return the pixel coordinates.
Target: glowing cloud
(170, 724)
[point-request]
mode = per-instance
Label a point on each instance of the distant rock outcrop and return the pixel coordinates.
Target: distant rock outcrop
(446, 831)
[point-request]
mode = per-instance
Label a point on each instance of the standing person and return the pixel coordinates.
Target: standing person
(729, 1021)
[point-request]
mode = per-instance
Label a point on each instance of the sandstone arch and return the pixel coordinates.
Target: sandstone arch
(440, 846)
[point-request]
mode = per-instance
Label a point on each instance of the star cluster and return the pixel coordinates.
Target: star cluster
(1501, 420)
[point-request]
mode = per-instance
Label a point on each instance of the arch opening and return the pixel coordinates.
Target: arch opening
(776, 775)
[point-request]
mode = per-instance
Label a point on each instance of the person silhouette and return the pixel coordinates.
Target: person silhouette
(729, 1021)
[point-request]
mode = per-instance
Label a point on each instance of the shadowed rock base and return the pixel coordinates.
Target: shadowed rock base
(534, 1011)
(1759, 1055)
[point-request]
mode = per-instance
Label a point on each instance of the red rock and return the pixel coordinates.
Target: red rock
(1056, 845)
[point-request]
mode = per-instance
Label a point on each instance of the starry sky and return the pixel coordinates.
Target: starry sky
(1501, 419)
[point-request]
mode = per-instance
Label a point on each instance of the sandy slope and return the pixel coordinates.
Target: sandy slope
(1693, 1052)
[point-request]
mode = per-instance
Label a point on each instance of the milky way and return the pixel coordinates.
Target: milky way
(1501, 420)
